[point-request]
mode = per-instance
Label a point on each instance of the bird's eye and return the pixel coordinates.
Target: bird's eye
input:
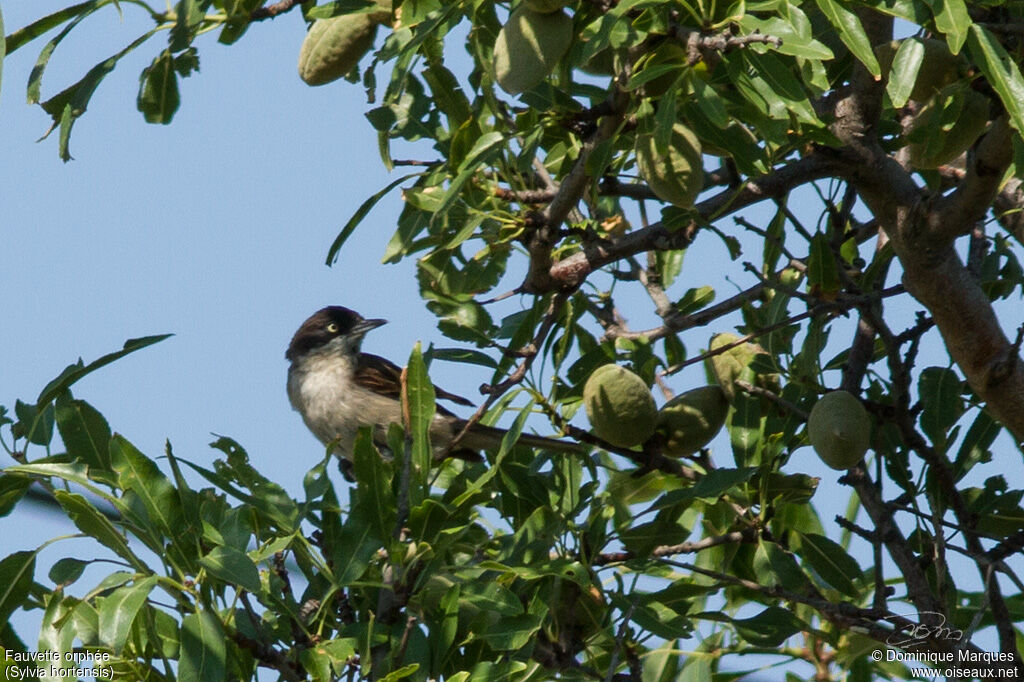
(333, 328)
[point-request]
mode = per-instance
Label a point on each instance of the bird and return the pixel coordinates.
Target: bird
(337, 389)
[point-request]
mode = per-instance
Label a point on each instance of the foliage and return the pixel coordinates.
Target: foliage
(622, 563)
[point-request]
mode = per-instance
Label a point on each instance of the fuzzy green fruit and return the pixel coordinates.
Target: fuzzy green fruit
(677, 174)
(620, 406)
(689, 421)
(839, 429)
(334, 46)
(930, 145)
(529, 46)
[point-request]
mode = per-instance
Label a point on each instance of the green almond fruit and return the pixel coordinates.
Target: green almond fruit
(930, 145)
(619, 405)
(689, 421)
(677, 174)
(529, 46)
(839, 429)
(334, 46)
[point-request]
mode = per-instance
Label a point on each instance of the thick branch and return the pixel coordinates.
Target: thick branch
(956, 214)
(570, 272)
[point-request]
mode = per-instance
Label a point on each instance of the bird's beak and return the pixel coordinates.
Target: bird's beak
(367, 325)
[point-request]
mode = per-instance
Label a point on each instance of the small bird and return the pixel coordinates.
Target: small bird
(337, 389)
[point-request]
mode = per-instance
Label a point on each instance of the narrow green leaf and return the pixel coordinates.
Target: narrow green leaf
(952, 20)
(770, 628)
(782, 83)
(140, 475)
(234, 566)
(464, 355)
(12, 489)
(118, 611)
(421, 415)
(939, 389)
(90, 521)
(511, 632)
(851, 32)
(357, 217)
(73, 373)
(488, 144)
(158, 97)
(203, 654)
(357, 543)
(973, 449)
(906, 64)
(1000, 70)
(73, 472)
(373, 496)
(85, 432)
(40, 26)
(822, 271)
(16, 575)
(829, 560)
(67, 105)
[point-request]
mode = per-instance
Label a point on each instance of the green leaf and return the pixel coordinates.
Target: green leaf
(939, 389)
(357, 217)
(420, 394)
(401, 673)
(511, 632)
(487, 145)
(72, 472)
(12, 489)
(203, 655)
(140, 475)
(822, 271)
(770, 628)
(829, 560)
(234, 566)
(373, 494)
(906, 64)
(973, 449)
(1000, 70)
(851, 32)
(952, 20)
(771, 77)
(34, 423)
(67, 570)
(90, 521)
(51, 21)
(464, 355)
(770, 560)
(73, 373)
(158, 97)
(85, 432)
(118, 611)
(16, 575)
(356, 545)
(695, 299)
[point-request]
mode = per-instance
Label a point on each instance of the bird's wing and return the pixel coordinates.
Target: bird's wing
(385, 377)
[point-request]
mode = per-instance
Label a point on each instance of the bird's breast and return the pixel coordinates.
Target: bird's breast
(333, 406)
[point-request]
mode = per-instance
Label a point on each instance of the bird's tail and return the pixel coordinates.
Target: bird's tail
(481, 437)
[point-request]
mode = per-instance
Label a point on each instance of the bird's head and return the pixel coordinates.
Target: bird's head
(334, 329)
